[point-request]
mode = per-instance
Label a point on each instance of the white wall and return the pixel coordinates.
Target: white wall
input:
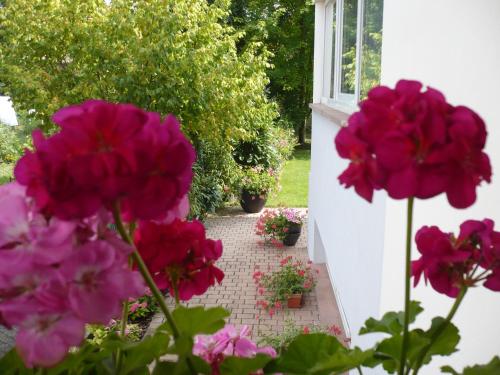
(454, 46)
(351, 231)
(7, 113)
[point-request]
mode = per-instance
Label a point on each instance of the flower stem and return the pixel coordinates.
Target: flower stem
(123, 327)
(409, 225)
(440, 329)
(143, 269)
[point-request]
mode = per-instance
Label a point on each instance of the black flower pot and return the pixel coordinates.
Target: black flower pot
(252, 203)
(293, 234)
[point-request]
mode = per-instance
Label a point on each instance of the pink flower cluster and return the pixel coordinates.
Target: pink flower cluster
(56, 276)
(449, 262)
(414, 144)
(106, 153)
(179, 256)
(229, 341)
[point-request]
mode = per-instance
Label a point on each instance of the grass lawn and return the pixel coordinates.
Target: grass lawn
(5, 172)
(294, 180)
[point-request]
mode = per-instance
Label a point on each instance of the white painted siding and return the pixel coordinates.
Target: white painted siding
(453, 45)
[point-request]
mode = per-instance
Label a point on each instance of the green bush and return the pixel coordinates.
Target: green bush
(269, 148)
(167, 56)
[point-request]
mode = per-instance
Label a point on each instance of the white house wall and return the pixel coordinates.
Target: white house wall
(351, 232)
(453, 45)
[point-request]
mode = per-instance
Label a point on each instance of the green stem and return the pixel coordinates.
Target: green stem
(409, 225)
(359, 370)
(123, 327)
(143, 269)
(176, 292)
(440, 329)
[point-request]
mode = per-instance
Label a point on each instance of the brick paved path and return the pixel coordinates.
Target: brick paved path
(237, 293)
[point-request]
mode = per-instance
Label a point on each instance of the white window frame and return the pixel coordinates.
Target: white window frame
(339, 100)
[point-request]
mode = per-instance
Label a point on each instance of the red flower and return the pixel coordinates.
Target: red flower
(441, 263)
(179, 252)
(306, 330)
(414, 144)
(106, 152)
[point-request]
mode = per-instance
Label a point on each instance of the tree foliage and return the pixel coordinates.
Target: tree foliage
(167, 56)
(287, 27)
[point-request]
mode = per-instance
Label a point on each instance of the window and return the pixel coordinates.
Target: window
(353, 44)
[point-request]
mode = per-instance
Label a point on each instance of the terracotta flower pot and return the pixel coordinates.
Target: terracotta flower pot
(293, 234)
(294, 301)
(252, 203)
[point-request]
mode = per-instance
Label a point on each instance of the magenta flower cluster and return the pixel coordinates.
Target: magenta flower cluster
(229, 341)
(58, 275)
(450, 263)
(414, 144)
(61, 267)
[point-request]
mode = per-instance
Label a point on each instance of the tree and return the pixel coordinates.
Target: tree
(167, 56)
(287, 28)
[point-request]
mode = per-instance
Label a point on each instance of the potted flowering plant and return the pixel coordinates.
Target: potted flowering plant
(284, 224)
(256, 184)
(287, 284)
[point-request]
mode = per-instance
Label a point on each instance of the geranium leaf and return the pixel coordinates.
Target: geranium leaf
(388, 351)
(344, 360)
(238, 366)
(392, 322)
(493, 367)
(138, 356)
(12, 364)
(447, 341)
(196, 320)
(304, 353)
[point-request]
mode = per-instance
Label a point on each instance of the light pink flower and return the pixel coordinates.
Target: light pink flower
(44, 339)
(99, 280)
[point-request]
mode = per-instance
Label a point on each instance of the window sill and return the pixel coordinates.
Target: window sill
(337, 115)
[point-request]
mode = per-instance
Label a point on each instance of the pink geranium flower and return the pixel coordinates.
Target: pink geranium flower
(179, 255)
(99, 280)
(412, 143)
(229, 341)
(107, 152)
(44, 339)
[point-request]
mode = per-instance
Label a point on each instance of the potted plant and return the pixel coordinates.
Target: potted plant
(282, 226)
(287, 284)
(256, 183)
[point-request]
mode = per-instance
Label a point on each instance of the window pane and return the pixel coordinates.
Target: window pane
(349, 29)
(372, 45)
(334, 37)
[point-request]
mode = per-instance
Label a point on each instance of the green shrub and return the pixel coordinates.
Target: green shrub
(269, 148)
(167, 56)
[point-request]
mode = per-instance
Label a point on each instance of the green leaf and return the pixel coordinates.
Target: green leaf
(449, 370)
(344, 360)
(12, 364)
(446, 343)
(388, 352)
(195, 320)
(180, 367)
(239, 366)
(392, 322)
(304, 353)
(138, 356)
(491, 368)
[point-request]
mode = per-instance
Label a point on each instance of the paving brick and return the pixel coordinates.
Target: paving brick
(242, 256)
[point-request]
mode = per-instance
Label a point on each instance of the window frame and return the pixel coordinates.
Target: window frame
(332, 94)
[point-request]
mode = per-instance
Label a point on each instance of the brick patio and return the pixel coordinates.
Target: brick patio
(242, 256)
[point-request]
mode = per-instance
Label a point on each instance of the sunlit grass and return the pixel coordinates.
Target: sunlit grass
(294, 181)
